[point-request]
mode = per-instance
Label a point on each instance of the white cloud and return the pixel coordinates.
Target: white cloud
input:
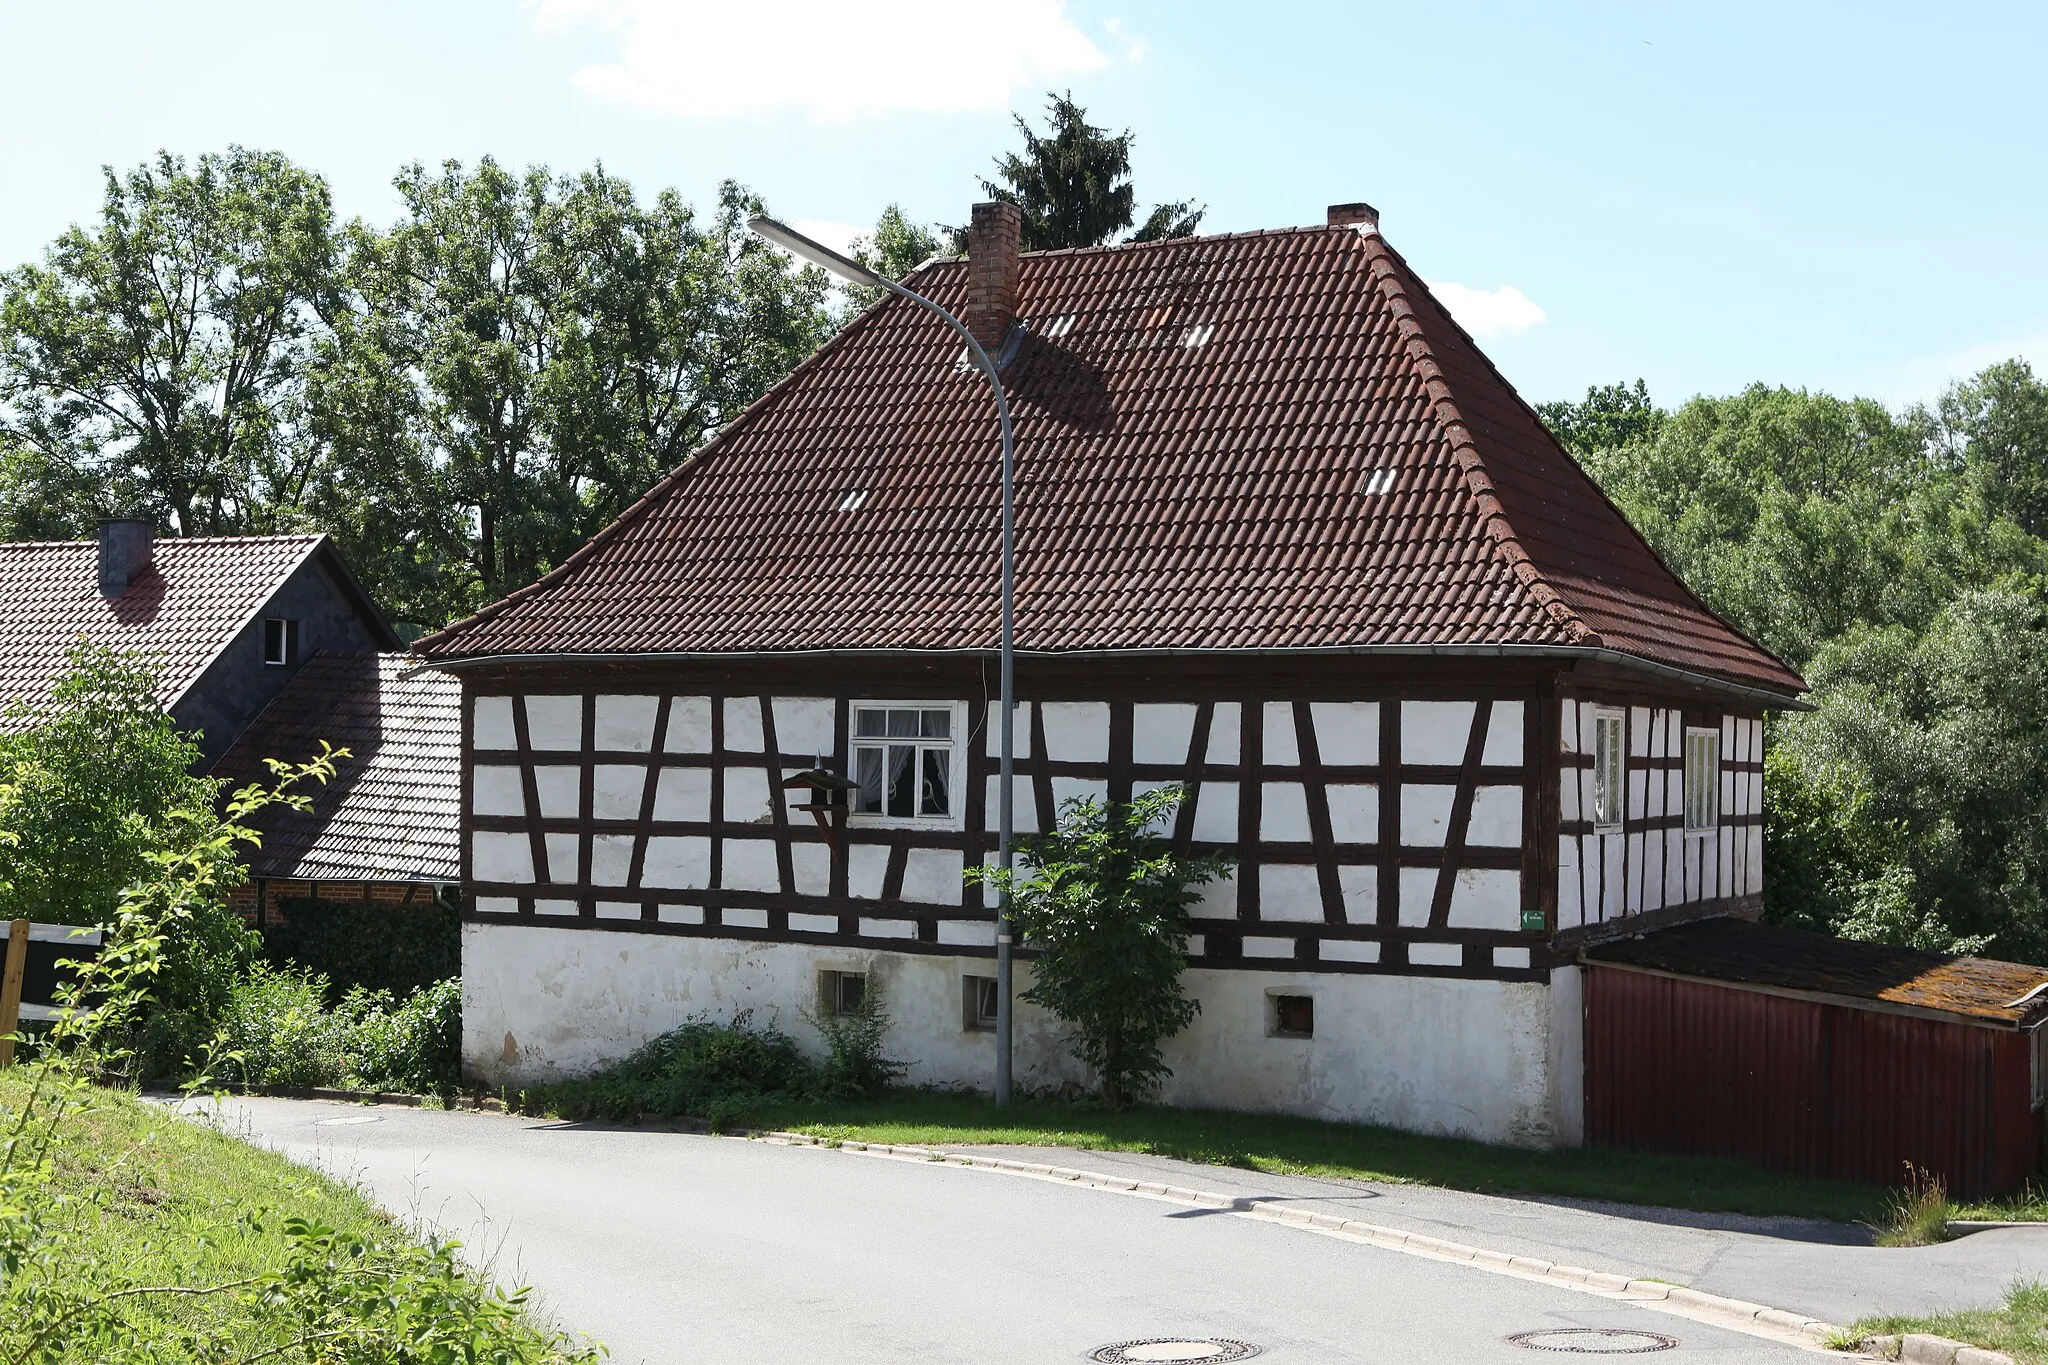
(694, 59)
(1921, 381)
(1489, 313)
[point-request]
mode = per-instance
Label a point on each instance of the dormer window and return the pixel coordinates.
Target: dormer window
(280, 641)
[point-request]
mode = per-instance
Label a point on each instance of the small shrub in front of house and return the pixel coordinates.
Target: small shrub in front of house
(278, 1030)
(724, 1072)
(1103, 899)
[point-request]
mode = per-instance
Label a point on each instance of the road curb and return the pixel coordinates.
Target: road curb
(1919, 1348)
(1754, 1318)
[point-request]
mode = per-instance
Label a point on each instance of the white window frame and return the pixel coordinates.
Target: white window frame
(287, 638)
(972, 988)
(956, 773)
(1610, 770)
(1702, 779)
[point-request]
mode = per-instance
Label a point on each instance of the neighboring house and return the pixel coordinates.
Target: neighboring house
(225, 621)
(1284, 535)
(387, 828)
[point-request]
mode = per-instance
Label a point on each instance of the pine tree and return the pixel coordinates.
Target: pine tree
(1074, 185)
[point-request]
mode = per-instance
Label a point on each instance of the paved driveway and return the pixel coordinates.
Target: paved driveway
(682, 1248)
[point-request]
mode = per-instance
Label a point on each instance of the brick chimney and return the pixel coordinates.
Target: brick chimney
(994, 237)
(126, 547)
(1364, 217)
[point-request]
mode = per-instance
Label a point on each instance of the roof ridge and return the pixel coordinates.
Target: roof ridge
(1387, 268)
(281, 538)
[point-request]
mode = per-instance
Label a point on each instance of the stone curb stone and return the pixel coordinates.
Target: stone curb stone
(1920, 1348)
(1713, 1305)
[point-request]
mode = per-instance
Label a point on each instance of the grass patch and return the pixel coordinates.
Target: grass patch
(2018, 1326)
(1918, 1214)
(144, 1197)
(1298, 1146)
(2029, 1206)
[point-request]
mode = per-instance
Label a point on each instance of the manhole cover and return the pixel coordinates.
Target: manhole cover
(337, 1123)
(1597, 1341)
(1204, 1349)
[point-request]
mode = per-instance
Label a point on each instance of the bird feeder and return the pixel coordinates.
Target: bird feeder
(827, 797)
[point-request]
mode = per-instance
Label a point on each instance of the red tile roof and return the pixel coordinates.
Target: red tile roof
(393, 812)
(1274, 440)
(193, 600)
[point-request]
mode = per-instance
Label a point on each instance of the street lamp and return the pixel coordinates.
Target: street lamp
(856, 273)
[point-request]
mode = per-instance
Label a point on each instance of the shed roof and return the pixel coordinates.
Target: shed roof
(1744, 954)
(393, 812)
(1260, 441)
(197, 595)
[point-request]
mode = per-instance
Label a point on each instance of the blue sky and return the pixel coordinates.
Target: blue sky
(1841, 196)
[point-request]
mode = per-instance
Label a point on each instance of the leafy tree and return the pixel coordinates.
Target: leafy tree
(526, 355)
(1912, 806)
(897, 247)
(1611, 417)
(1103, 899)
(1994, 429)
(87, 788)
(156, 361)
(1073, 185)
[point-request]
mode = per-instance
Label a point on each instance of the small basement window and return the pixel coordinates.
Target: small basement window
(842, 993)
(280, 641)
(978, 1004)
(1293, 1016)
(903, 761)
(1702, 779)
(1610, 781)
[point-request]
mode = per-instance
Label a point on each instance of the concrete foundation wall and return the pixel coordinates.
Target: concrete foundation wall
(1464, 1057)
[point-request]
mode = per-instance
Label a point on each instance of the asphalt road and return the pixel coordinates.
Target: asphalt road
(679, 1248)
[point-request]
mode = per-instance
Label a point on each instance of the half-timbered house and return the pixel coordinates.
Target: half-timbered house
(1284, 536)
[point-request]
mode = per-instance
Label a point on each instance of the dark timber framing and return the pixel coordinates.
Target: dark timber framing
(1264, 691)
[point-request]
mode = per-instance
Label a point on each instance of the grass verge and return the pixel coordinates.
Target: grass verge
(2018, 1326)
(1297, 1146)
(144, 1197)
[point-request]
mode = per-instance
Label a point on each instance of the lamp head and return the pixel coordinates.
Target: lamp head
(794, 242)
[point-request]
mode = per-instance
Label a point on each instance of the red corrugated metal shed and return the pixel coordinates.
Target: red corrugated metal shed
(1706, 1039)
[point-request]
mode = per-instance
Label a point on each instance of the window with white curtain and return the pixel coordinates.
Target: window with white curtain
(1702, 779)
(1610, 770)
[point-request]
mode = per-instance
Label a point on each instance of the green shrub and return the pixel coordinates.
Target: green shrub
(367, 944)
(278, 1030)
(723, 1072)
(414, 1047)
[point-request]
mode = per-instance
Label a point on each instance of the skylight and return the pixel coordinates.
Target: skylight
(1057, 325)
(1197, 335)
(852, 501)
(1379, 481)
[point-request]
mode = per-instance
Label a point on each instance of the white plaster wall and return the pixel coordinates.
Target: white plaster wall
(1283, 813)
(1354, 812)
(1290, 891)
(1216, 812)
(1224, 723)
(626, 723)
(541, 1004)
(1435, 732)
(555, 722)
(1503, 736)
(1077, 731)
(804, 725)
(1347, 732)
(743, 725)
(1020, 730)
(491, 726)
(496, 790)
(1282, 746)
(1567, 1057)
(1468, 1058)
(1161, 732)
(689, 726)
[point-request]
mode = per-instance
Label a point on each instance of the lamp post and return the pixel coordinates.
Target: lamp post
(856, 273)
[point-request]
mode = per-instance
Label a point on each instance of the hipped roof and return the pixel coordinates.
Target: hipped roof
(1262, 441)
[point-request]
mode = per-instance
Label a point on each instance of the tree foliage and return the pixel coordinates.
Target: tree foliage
(156, 362)
(1896, 557)
(897, 247)
(87, 787)
(1073, 185)
(462, 397)
(1103, 900)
